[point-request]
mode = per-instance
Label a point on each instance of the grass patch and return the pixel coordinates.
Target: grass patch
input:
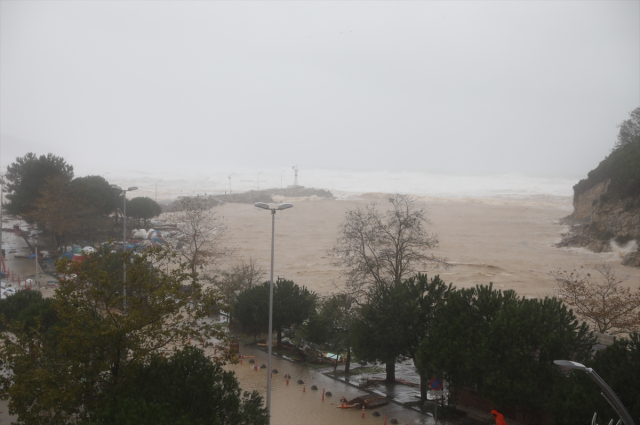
(315, 366)
(357, 371)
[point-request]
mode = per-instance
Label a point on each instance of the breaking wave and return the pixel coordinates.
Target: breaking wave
(623, 250)
(349, 183)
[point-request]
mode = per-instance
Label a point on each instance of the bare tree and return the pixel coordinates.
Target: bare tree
(603, 303)
(242, 276)
(383, 247)
(199, 235)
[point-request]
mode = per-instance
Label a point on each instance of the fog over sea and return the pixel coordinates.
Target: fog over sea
(344, 184)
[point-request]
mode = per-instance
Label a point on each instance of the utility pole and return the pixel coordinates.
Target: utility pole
(1, 195)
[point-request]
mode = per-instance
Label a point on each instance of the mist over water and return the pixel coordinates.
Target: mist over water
(344, 183)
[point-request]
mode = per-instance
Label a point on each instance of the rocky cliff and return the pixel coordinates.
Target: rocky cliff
(606, 207)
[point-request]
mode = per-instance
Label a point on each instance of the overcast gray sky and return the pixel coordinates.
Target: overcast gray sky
(534, 87)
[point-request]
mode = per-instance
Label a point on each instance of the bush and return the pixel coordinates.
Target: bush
(622, 166)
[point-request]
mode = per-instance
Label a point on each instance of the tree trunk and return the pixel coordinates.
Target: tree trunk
(391, 372)
(347, 363)
(279, 338)
(423, 388)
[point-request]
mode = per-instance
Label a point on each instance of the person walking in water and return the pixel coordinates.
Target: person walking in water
(499, 418)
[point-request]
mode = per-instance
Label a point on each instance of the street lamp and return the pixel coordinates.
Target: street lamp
(229, 177)
(1, 200)
(608, 394)
(259, 181)
(269, 343)
(157, 189)
(124, 236)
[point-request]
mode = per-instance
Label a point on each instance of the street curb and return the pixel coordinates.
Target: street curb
(348, 383)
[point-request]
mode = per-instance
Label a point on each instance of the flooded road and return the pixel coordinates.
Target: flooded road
(16, 250)
(290, 406)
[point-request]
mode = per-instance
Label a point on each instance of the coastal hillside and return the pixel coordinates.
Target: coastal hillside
(606, 205)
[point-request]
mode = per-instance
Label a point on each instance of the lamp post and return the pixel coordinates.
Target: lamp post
(157, 189)
(607, 393)
(269, 343)
(230, 182)
(259, 180)
(124, 238)
(1, 200)
(281, 178)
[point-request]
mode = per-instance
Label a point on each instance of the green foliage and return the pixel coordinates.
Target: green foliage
(29, 309)
(94, 193)
(505, 344)
(622, 166)
(330, 324)
(231, 282)
(377, 333)
(65, 207)
(26, 178)
(251, 309)
(291, 306)
(187, 388)
(629, 129)
(12, 306)
(396, 319)
(105, 334)
(577, 396)
(143, 208)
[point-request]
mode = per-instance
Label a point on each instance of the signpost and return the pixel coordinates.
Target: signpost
(436, 385)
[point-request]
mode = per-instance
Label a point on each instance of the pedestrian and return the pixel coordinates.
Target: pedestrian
(499, 418)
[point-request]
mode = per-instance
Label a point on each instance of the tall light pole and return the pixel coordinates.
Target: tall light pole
(1, 195)
(124, 238)
(259, 179)
(281, 178)
(607, 393)
(157, 189)
(270, 342)
(230, 182)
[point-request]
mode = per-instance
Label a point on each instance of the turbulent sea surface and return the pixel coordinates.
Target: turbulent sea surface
(171, 184)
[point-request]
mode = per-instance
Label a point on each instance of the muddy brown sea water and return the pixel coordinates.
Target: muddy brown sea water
(509, 242)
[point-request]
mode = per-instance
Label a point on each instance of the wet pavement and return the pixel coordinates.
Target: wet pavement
(17, 253)
(291, 406)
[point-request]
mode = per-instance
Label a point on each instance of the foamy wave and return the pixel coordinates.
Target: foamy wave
(623, 250)
(347, 183)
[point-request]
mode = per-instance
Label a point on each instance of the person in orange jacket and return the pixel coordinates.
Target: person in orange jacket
(499, 418)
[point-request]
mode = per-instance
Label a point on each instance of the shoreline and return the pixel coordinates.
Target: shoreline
(507, 241)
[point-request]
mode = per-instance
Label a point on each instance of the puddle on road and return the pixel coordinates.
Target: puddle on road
(290, 406)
